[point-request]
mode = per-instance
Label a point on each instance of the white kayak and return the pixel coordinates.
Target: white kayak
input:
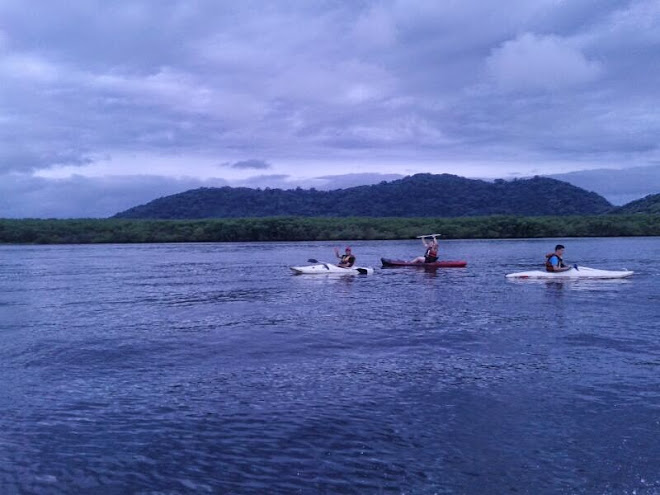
(330, 269)
(573, 274)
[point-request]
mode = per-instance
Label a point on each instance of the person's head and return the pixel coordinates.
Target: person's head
(558, 248)
(348, 250)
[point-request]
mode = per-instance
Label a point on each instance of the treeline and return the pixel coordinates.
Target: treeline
(87, 231)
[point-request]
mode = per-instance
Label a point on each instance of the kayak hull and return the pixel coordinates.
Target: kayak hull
(390, 263)
(582, 272)
(330, 269)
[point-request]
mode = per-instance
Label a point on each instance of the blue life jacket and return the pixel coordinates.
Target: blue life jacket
(548, 263)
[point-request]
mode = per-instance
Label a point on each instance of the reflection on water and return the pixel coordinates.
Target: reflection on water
(596, 285)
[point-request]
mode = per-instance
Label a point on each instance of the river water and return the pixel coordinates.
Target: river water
(211, 368)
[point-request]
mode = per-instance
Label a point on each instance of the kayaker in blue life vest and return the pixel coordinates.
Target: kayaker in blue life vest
(346, 260)
(431, 254)
(554, 262)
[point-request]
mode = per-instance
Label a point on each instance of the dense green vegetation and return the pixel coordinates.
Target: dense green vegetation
(647, 205)
(85, 231)
(422, 195)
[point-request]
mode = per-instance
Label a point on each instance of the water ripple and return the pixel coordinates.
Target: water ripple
(190, 369)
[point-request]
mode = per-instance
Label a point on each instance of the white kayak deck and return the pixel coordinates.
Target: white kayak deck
(330, 269)
(573, 274)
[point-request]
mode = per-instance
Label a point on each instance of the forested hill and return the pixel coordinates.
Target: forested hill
(421, 195)
(647, 205)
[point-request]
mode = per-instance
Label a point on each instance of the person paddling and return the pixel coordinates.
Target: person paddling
(346, 260)
(431, 254)
(554, 262)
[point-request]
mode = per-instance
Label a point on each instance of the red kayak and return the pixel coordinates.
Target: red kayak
(388, 263)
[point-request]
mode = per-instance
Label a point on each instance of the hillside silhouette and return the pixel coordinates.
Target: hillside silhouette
(649, 205)
(421, 195)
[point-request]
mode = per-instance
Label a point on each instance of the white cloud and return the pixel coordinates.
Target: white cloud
(28, 68)
(548, 63)
(388, 86)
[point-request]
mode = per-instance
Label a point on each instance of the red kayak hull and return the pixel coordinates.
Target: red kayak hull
(388, 263)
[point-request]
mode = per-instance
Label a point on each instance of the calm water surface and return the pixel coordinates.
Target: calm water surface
(211, 368)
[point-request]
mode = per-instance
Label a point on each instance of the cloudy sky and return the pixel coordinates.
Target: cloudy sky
(105, 105)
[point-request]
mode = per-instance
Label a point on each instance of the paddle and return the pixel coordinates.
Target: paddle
(362, 271)
(312, 260)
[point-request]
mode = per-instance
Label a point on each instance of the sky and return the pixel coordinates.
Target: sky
(106, 105)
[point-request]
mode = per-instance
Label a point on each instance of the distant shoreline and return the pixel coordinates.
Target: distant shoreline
(104, 231)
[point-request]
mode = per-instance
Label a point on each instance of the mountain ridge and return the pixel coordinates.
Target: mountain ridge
(647, 205)
(420, 195)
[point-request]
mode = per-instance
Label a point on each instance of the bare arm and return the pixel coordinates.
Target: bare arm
(557, 267)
